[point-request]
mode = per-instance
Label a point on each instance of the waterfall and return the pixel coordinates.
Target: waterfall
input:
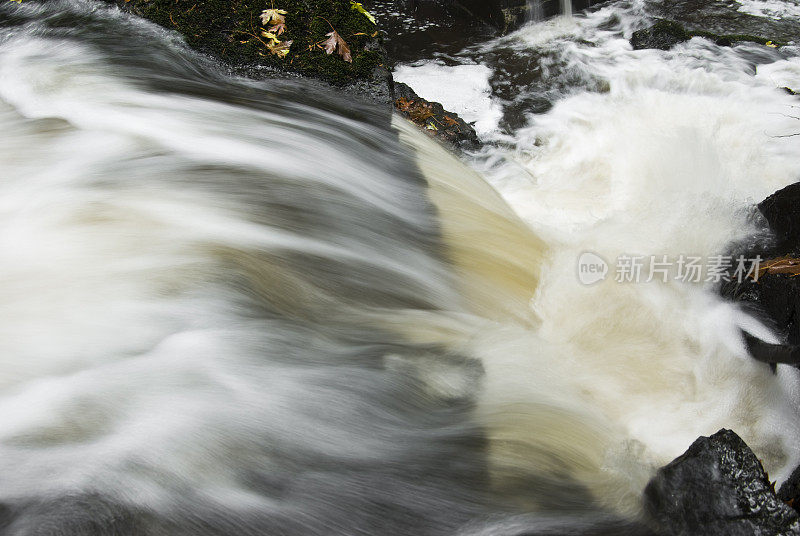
(535, 11)
(237, 307)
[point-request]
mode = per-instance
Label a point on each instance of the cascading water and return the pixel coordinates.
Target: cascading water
(535, 11)
(566, 8)
(236, 307)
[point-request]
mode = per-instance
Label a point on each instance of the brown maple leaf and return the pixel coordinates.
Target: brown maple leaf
(280, 48)
(278, 29)
(335, 43)
(781, 265)
(450, 121)
(421, 112)
(275, 16)
(403, 104)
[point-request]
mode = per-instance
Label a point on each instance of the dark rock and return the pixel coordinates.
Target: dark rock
(776, 298)
(502, 15)
(427, 29)
(775, 294)
(773, 354)
(790, 490)
(782, 212)
(434, 119)
(508, 15)
(665, 34)
(376, 89)
(718, 488)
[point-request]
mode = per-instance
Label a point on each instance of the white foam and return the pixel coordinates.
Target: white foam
(783, 73)
(463, 89)
(773, 9)
(665, 162)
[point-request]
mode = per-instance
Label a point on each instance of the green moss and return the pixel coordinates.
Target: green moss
(671, 28)
(729, 40)
(664, 34)
(231, 30)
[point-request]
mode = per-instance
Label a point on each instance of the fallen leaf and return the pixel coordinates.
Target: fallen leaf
(418, 111)
(335, 43)
(782, 265)
(278, 29)
(450, 121)
(280, 48)
(358, 7)
(271, 36)
(421, 112)
(403, 104)
(275, 16)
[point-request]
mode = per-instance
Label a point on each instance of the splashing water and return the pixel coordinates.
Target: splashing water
(535, 11)
(566, 8)
(236, 307)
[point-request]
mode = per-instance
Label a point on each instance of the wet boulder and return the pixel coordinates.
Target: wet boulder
(718, 488)
(775, 294)
(775, 297)
(665, 34)
(442, 125)
(782, 212)
(789, 491)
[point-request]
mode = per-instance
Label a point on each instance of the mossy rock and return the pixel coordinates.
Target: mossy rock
(232, 31)
(665, 34)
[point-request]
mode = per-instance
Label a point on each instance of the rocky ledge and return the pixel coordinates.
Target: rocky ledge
(337, 42)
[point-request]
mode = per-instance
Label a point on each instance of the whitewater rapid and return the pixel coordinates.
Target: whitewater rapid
(238, 307)
(644, 153)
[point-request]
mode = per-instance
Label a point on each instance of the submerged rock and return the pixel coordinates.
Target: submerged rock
(665, 34)
(718, 488)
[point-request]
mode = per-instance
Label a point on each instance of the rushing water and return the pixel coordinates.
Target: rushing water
(234, 307)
